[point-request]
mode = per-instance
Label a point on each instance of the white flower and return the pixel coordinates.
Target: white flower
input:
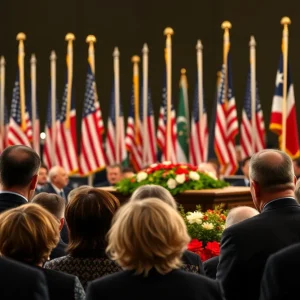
(171, 183)
(208, 226)
(194, 175)
(166, 163)
(194, 217)
(212, 175)
(153, 165)
(141, 176)
(180, 178)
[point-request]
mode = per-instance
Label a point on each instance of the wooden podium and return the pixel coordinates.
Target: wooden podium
(229, 196)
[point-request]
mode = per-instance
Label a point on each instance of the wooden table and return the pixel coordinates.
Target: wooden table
(229, 196)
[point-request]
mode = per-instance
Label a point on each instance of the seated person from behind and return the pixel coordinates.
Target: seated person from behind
(235, 215)
(245, 168)
(56, 206)
(28, 234)
(113, 175)
(147, 240)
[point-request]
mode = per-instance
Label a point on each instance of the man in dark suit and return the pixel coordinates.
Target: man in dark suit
(235, 215)
(56, 206)
(42, 178)
(19, 167)
(245, 247)
(20, 281)
(279, 280)
(113, 175)
(58, 184)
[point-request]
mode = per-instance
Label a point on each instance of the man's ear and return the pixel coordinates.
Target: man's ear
(295, 179)
(62, 222)
(33, 182)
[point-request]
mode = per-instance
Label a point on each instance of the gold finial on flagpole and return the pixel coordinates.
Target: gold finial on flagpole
(285, 21)
(135, 59)
(183, 71)
(226, 25)
(91, 39)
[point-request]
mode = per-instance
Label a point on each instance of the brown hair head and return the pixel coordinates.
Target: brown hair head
(28, 233)
(89, 216)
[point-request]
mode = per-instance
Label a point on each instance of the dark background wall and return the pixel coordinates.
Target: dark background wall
(128, 24)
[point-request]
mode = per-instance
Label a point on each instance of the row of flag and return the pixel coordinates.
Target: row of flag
(182, 139)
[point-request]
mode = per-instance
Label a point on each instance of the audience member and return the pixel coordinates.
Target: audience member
(245, 247)
(191, 261)
(19, 281)
(235, 215)
(42, 178)
(296, 164)
(89, 216)
(56, 206)
(280, 279)
(28, 234)
(113, 175)
(245, 169)
(73, 192)
(127, 173)
(19, 167)
(58, 184)
(147, 239)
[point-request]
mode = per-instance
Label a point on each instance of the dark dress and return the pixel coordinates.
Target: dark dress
(86, 269)
(246, 246)
(175, 285)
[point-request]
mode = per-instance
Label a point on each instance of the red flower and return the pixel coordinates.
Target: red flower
(205, 218)
(213, 247)
(181, 171)
(132, 179)
(195, 245)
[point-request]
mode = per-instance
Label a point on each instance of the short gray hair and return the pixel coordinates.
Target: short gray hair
(269, 174)
(239, 214)
(153, 191)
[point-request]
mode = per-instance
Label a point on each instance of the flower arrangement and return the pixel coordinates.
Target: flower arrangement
(205, 229)
(176, 178)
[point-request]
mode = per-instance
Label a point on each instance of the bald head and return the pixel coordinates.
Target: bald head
(272, 170)
(58, 177)
(239, 214)
(18, 165)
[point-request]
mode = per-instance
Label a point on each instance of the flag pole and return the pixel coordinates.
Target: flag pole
(252, 45)
(53, 104)
(199, 48)
(33, 99)
(70, 37)
(21, 37)
(116, 55)
(285, 21)
(135, 60)
(226, 25)
(91, 40)
(168, 32)
(145, 104)
(2, 97)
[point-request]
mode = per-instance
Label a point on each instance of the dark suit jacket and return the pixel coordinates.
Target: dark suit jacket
(210, 267)
(61, 286)
(59, 250)
(176, 285)
(48, 188)
(192, 261)
(240, 182)
(280, 281)
(8, 201)
(20, 281)
(246, 246)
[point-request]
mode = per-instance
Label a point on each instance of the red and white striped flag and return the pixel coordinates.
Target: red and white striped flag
(226, 127)
(92, 157)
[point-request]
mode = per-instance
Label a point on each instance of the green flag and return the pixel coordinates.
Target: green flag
(183, 121)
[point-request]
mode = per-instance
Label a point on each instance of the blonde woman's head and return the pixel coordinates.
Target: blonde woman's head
(147, 234)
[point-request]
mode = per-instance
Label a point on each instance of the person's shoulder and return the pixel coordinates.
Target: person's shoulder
(59, 277)
(57, 261)
(286, 256)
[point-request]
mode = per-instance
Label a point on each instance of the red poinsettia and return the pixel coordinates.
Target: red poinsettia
(210, 250)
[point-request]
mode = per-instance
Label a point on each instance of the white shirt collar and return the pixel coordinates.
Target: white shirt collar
(57, 190)
(7, 192)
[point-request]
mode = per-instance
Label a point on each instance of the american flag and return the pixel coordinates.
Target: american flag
(36, 125)
(226, 123)
(49, 156)
(111, 151)
(17, 134)
(199, 133)
(247, 126)
(148, 139)
(162, 129)
(92, 157)
(292, 138)
(66, 143)
(133, 138)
